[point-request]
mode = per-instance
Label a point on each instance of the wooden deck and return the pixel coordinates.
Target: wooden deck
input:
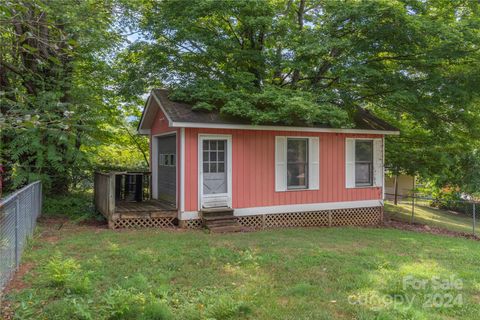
(123, 213)
(146, 208)
(146, 205)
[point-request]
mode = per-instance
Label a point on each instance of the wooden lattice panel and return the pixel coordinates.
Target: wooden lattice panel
(193, 224)
(297, 219)
(161, 222)
(253, 222)
(357, 216)
(338, 217)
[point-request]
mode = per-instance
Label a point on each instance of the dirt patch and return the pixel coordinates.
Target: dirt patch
(17, 283)
(50, 239)
(6, 310)
(428, 229)
(55, 223)
(94, 223)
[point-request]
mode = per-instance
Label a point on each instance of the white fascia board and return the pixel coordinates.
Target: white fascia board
(170, 122)
(278, 128)
(142, 118)
(144, 132)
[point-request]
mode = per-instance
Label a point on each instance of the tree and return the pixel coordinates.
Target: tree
(56, 82)
(414, 63)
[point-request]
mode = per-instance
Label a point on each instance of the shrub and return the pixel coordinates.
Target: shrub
(124, 303)
(67, 274)
(73, 205)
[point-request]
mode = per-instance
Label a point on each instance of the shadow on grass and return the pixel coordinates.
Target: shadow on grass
(430, 216)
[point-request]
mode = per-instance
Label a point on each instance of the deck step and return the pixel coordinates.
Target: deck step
(230, 228)
(218, 218)
(214, 212)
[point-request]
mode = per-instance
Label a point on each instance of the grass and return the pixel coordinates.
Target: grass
(430, 216)
(313, 273)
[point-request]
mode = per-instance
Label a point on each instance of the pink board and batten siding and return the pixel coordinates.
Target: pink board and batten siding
(253, 170)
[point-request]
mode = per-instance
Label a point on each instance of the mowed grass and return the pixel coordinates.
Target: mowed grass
(312, 273)
(430, 216)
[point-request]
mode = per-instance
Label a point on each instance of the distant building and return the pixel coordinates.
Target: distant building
(405, 185)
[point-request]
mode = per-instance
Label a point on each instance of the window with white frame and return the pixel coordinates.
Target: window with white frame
(363, 163)
(297, 163)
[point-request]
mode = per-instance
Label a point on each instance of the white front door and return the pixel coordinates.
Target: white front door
(215, 171)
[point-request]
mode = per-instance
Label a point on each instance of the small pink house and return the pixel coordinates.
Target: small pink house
(265, 176)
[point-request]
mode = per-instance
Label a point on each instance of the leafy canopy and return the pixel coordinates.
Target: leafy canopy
(414, 63)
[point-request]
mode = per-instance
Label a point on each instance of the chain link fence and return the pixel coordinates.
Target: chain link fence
(18, 216)
(457, 215)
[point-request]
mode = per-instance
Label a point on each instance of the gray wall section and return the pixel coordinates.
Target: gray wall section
(167, 175)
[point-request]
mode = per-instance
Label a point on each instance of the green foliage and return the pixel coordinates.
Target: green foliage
(67, 274)
(72, 205)
(414, 63)
(68, 308)
(124, 303)
(156, 311)
(446, 198)
(56, 93)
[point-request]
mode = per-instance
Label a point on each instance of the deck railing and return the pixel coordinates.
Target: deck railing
(113, 187)
(18, 216)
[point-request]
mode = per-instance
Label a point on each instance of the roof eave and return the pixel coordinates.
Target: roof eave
(279, 128)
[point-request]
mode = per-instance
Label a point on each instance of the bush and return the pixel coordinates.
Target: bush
(450, 201)
(77, 205)
(124, 303)
(66, 274)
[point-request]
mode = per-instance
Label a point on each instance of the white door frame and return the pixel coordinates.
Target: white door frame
(202, 137)
(154, 171)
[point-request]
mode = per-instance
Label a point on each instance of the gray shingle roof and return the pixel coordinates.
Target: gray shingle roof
(182, 112)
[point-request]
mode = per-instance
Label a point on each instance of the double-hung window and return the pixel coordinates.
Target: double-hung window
(364, 163)
(297, 163)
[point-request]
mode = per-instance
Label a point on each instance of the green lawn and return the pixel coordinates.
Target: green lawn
(90, 273)
(430, 216)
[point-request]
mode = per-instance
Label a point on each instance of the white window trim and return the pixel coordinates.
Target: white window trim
(309, 164)
(202, 137)
(374, 183)
(307, 185)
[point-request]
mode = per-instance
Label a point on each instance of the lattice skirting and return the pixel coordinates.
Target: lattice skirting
(191, 224)
(147, 222)
(338, 217)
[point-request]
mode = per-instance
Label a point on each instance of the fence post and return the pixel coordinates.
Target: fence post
(17, 210)
(473, 214)
(413, 209)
